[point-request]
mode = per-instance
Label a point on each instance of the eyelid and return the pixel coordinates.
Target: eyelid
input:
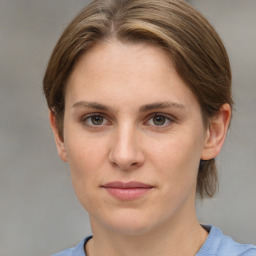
(169, 117)
(93, 114)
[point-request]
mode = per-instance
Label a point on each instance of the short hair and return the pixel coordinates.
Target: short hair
(195, 48)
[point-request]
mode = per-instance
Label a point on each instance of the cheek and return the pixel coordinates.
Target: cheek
(85, 161)
(85, 152)
(177, 160)
(86, 156)
(177, 152)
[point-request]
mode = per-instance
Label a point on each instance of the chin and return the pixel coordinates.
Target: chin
(125, 222)
(130, 228)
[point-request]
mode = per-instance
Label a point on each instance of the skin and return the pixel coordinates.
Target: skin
(147, 127)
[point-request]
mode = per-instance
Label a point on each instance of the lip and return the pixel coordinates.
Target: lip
(127, 190)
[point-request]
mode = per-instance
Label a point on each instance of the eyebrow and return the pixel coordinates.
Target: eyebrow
(93, 105)
(157, 105)
(144, 108)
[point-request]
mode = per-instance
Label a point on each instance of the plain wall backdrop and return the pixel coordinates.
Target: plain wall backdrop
(39, 213)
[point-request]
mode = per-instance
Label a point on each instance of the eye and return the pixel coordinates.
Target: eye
(160, 120)
(97, 120)
(94, 120)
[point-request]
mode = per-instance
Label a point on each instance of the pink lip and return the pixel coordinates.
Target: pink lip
(127, 191)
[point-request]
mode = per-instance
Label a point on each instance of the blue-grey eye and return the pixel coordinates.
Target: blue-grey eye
(159, 120)
(97, 120)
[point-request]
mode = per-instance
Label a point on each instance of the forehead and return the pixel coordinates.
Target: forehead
(113, 56)
(114, 70)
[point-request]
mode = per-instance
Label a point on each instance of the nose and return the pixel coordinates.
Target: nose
(126, 152)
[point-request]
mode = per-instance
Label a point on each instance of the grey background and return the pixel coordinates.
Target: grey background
(39, 213)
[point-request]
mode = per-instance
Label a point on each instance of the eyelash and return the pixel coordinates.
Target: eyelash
(88, 118)
(168, 120)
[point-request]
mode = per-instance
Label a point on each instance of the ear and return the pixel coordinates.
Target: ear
(58, 140)
(216, 133)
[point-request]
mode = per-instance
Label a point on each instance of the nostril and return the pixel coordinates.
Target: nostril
(114, 164)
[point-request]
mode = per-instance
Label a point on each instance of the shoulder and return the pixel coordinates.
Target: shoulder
(74, 251)
(219, 244)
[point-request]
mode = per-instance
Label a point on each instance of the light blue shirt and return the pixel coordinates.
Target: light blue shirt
(216, 244)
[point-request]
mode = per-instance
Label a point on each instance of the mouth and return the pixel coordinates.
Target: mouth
(127, 191)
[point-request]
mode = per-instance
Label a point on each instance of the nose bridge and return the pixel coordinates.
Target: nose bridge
(126, 151)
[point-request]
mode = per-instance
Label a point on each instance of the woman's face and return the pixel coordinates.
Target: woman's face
(133, 136)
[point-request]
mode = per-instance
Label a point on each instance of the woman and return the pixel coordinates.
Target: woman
(139, 93)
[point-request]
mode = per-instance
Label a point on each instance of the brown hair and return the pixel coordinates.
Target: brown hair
(194, 46)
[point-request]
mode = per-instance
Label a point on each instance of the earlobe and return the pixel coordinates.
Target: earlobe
(216, 133)
(58, 140)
